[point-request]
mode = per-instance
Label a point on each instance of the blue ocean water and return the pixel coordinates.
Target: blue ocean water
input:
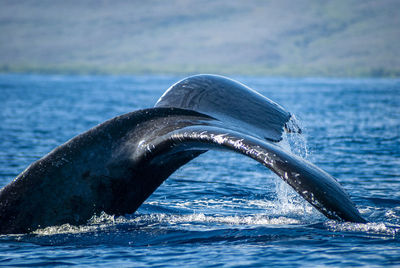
(221, 209)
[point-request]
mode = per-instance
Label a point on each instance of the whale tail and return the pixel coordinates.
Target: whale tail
(117, 165)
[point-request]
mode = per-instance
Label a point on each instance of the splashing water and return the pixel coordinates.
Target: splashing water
(293, 141)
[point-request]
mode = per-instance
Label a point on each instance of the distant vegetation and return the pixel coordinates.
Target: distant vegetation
(275, 38)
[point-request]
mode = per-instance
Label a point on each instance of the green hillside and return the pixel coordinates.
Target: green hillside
(285, 38)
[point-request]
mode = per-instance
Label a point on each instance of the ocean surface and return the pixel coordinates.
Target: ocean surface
(222, 209)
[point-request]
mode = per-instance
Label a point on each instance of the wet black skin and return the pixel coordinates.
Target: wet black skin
(114, 167)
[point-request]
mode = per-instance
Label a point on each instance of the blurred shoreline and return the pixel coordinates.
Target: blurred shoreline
(189, 70)
(305, 38)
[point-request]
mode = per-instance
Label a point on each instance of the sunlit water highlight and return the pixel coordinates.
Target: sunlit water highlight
(222, 208)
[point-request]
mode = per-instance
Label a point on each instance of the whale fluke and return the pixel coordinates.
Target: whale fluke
(230, 102)
(117, 165)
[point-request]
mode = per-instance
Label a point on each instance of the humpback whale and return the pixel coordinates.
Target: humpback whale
(115, 166)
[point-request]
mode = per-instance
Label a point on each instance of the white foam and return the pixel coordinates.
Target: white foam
(370, 228)
(95, 223)
(197, 218)
(104, 221)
